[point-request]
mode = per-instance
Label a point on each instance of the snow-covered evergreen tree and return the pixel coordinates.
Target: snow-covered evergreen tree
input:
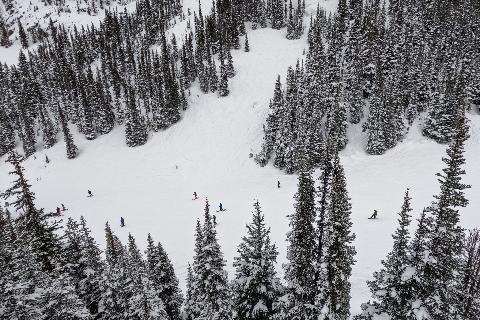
(82, 261)
(470, 285)
(256, 286)
(333, 292)
(213, 300)
(164, 281)
(299, 300)
(391, 287)
(48, 131)
(135, 129)
(71, 148)
(441, 272)
(36, 227)
(223, 89)
(7, 136)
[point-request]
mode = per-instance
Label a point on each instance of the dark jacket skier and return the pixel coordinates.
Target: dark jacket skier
(374, 215)
(122, 222)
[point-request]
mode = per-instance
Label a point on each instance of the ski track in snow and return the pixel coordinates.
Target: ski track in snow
(211, 147)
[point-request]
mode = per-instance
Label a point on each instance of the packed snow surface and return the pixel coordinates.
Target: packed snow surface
(208, 152)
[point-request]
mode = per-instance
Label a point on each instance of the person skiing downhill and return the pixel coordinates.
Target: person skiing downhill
(220, 207)
(195, 197)
(374, 215)
(122, 222)
(63, 207)
(58, 211)
(90, 194)
(278, 184)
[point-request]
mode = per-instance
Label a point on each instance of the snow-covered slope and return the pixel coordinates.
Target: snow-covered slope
(208, 152)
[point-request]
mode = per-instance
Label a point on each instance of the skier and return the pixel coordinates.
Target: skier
(220, 207)
(90, 194)
(278, 184)
(58, 211)
(122, 222)
(214, 220)
(195, 195)
(63, 207)
(374, 215)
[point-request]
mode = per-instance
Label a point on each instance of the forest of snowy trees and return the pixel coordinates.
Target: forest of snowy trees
(382, 67)
(53, 269)
(97, 77)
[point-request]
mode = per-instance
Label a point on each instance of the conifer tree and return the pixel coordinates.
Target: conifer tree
(87, 110)
(60, 301)
(213, 78)
(272, 125)
(333, 293)
(126, 290)
(446, 238)
(256, 286)
(71, 148)
(230, 70)
(337, 124)
(390, 288)
(135, 129)
(20, 189)
(277, 14)
(37, 229)
(375, 126)
(202, 77)
(299, 301)
(223, 90)
(164, 282)
(171, 112)
(439, 124)
(82, 261)
(33, 293)
(7, 135)
(291, 26)
(246, 47)
(22, 35)
(188, 309)
(196, 287)
(470, 298)
(211, 279)
(323, 203)
(143, 302)
(26, 105)
(7, 240)
(4, 34)
(104, 114)
(48, 131)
